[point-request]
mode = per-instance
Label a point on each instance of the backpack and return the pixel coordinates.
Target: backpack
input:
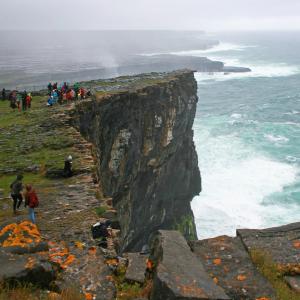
(99, 230)
(34, 201)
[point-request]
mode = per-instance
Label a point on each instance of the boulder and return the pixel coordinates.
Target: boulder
(136, 267)
(21, 238)
(178, 272)
(34, 269)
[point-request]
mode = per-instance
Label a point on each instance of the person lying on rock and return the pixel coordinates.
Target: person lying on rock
(32, 201)
(16, 192)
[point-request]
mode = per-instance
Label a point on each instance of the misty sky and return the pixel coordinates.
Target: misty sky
(211, 15)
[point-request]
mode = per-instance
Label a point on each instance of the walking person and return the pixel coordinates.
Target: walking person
(32, 201)
(16, 193)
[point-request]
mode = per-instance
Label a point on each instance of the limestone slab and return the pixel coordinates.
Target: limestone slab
(179, 274)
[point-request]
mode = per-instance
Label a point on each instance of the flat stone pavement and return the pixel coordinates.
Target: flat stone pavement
(282, 244)
(228, 263)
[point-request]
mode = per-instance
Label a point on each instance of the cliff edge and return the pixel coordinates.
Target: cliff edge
(141, 129)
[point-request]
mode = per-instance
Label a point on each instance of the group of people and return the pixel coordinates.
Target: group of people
(19, 100)
(29, 194)
(57, 94)
(64, 93)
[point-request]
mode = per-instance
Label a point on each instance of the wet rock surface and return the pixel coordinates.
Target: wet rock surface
(179, 274)
(230, 266)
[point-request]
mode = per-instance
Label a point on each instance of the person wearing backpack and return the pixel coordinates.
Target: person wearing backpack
(32, 201)
(16, 192)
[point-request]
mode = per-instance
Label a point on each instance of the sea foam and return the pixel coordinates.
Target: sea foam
(236, 180)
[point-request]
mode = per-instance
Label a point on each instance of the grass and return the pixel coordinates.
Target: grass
(29, 292)
(101, 210)
(269, 269)
(33, 142)
(32, 138)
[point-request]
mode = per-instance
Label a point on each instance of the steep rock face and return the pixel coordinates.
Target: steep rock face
(147, 161)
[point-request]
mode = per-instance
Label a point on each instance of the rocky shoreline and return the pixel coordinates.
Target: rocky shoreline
(136, 165)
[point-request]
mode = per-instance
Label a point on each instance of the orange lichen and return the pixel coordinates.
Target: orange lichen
(112, 262)
(30, 263)
(217, 261)
(296, 244)
(241, 277)
(191, 290)
(92, 250)
(89, 296)
(20, 235)
(149, 264)
(61, 256)
(79, 245)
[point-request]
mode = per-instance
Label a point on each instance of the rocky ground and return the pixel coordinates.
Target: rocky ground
(35, 144)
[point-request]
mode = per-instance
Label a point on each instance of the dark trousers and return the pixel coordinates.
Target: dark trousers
(17, 201)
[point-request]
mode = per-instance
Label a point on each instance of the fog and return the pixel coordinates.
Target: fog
(209, 15)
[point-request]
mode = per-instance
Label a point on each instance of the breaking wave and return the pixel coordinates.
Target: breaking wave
(236, 180)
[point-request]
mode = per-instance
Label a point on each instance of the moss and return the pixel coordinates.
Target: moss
(127, 290)
(269, 269)
(101, 210)
(187, 227)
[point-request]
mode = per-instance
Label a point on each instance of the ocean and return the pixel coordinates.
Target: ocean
(247, 126)
(247, 135)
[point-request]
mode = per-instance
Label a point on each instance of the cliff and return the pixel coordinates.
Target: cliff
(141, 129)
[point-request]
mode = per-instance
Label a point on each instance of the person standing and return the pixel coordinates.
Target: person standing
(68, 172)
(3, 94)
(24, 104)
(16, 193)
(32, 201)
(19, 101)
(49, 88)
(28, 101)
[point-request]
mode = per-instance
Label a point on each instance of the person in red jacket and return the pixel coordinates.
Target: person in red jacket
(28, 100)
(32, 201)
